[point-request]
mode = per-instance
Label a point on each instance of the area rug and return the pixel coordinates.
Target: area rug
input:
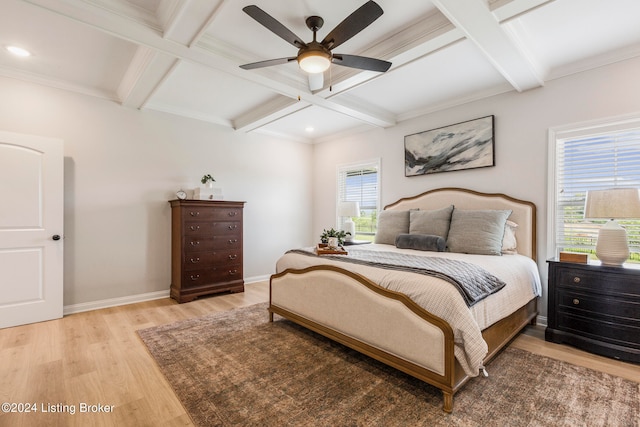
(237, 369)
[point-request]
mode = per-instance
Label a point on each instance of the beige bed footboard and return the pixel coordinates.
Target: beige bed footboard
(380, 323)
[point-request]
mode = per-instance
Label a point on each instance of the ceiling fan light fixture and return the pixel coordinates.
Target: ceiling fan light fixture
(314, 61)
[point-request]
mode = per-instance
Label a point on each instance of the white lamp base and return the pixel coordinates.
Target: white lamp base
(612, 247)
(349, 227)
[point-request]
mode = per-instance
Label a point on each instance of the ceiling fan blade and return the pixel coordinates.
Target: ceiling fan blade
(267, 63)
(353, 24)
(316, 81)
(361, 62)
(273, 25)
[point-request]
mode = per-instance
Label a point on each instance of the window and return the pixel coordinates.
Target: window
(360, 183)
(591, 157)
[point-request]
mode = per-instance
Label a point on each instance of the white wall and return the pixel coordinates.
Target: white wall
(123, 165)
(522, 121)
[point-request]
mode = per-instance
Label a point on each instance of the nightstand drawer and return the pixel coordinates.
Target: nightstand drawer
(600, 330)
(610, 283)
(617, 309)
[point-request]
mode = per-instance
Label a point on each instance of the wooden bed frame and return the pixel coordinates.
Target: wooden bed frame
(352, 310)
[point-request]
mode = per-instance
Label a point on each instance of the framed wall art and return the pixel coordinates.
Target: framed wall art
(466, 145)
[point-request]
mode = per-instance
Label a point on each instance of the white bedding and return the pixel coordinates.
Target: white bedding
(439, 297)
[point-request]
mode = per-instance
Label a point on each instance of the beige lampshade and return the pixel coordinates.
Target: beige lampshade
(349, 209)
(613, 203)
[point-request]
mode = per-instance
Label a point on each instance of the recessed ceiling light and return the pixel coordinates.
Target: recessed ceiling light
(309, 129)
(18, 51)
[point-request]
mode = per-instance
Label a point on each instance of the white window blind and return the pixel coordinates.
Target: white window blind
(594, 159)
(360, 183)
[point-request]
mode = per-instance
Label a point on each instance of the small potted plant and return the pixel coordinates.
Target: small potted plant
(208, 179)
(336, 237)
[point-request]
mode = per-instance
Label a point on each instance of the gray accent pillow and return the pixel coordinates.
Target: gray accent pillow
(434, 222)
(477, 231)
(390, 224)
(421, 242)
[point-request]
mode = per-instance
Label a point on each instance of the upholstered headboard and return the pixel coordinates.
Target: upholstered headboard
(523, 212)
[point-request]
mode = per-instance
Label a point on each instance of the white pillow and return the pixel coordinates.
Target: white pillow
(509, 242)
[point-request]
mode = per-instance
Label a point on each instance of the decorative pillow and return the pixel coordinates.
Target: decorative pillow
(509, 242)
(477, 231)
(421, 242)
(390, 224)
(434, 222)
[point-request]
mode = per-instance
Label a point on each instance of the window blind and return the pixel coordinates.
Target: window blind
(360, 183)
(596, 161)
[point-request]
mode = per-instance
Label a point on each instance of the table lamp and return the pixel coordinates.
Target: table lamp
(612, 247)
(349, 210)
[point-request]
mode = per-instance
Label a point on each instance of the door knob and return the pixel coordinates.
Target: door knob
(56, 237)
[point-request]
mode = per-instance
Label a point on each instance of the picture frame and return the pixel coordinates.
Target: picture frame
(461, 146)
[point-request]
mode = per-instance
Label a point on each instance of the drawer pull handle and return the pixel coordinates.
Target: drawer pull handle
(234, 256)
(196, 277)
(576, 279)
(195, 261)
(576, 301)
(232, 272)
(233, 213)
(195, 227)
(232, 241)
(196, 243)
(194, 213)
(233, 227)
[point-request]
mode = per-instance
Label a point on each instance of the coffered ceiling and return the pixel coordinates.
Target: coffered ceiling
(182, 56)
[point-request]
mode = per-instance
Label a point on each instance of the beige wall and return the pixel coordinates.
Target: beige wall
(522, 121)
(123, 165)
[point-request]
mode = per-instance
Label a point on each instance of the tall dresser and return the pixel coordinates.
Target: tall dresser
(206, 248)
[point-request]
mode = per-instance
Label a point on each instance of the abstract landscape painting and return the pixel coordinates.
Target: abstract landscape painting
(466, 145)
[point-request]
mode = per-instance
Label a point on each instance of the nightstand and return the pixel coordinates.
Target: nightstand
(356, 242)
(595, 308)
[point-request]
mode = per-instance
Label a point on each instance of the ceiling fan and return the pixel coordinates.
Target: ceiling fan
(315, 57)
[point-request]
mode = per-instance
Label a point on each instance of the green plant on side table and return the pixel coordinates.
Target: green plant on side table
(340, 234)
(207, 178)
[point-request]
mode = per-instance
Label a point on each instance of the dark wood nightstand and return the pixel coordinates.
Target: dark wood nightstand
(595, 308)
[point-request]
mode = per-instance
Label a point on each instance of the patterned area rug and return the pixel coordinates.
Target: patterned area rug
(236, 368)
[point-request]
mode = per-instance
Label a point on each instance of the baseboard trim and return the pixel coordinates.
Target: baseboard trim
(113, 302)
(132, 299)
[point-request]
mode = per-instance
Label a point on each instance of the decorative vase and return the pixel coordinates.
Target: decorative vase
(333, 242)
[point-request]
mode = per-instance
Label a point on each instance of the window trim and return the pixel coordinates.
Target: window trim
(362, 164)
(575, 130)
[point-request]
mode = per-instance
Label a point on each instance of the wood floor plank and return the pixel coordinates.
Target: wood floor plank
(97, 357)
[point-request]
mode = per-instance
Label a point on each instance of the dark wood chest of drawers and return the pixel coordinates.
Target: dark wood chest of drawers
(595, 308)
(206, 248)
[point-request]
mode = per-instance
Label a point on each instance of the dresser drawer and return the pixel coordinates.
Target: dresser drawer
(197, 244)
(208, 228)
(199, 260)
(212, 275)
(207, 214)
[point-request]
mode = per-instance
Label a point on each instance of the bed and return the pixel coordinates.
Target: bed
(407, 316)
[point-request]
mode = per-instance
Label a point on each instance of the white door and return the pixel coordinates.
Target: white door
(31, 222)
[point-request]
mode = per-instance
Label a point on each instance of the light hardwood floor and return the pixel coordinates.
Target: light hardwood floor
(97, 358)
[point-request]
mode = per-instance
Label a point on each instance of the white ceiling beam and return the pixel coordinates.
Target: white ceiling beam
(146, 72)
(117, 26)
(507, 10)
(479, 25)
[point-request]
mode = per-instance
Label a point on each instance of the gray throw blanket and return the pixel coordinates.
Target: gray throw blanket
(473, 282)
